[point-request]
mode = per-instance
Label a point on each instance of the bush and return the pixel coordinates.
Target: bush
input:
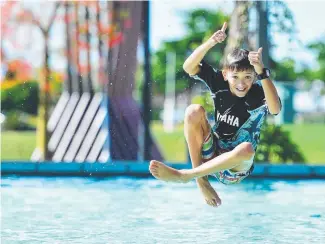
(22, 97)
(16, 120)
(205, 100)
(276, 146)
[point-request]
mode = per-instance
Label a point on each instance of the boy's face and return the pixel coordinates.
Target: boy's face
(239, 81)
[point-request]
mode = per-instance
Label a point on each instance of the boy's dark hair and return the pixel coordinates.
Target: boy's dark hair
(237, 60)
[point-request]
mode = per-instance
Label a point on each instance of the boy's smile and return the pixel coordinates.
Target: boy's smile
(239, 81)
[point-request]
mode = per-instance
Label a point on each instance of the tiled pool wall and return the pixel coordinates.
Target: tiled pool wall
(135, 168)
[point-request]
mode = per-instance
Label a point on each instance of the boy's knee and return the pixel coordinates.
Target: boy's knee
(245, 150)
(194, 114)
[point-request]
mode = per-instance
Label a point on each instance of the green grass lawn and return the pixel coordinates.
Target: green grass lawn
(309, 137)
(311, 140)
(172, 145)
(18, 145)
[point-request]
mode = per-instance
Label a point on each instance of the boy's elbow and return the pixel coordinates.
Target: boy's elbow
(275, 111)
(189, 70)
(186, 68)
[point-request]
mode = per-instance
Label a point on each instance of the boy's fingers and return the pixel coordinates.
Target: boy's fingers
(224, 27)
(259, 51)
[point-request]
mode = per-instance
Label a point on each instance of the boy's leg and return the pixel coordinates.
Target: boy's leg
(196, 129)
(228, 160)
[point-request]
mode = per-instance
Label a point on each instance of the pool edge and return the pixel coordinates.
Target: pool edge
(140, 169)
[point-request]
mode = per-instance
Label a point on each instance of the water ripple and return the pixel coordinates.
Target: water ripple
(129, 210)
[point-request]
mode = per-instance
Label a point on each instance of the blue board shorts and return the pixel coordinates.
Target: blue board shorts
(210, 150)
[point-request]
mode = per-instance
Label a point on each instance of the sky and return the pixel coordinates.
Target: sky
(167, 23)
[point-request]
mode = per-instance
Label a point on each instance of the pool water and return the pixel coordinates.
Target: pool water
(133, 210)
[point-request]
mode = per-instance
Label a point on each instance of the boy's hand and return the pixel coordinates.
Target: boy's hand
(255, 59)
(220, 35)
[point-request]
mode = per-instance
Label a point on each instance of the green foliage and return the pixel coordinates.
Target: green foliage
(23, 97)
(319, 73)
(16, 120)
(200, 25)
(206, 101)
(276, 146)
(12, 121)
(285, 70)
(281, 21)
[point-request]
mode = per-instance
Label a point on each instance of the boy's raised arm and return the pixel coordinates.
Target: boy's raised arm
(191, 64)
(271, 94)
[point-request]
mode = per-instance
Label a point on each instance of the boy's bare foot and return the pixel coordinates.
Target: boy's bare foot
(210, 195)
(165, 173)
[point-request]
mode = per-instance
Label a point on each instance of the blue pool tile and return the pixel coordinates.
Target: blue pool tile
(289, 170)
(318, 170)
(140, 168)
(259, 170)
(51, 167)
(101, 168)
(18, 167)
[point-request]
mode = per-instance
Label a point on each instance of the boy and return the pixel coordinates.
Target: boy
(227, 150)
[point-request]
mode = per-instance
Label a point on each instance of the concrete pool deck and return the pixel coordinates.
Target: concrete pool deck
(134, 168)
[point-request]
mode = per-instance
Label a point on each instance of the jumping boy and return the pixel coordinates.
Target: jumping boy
(243, 95)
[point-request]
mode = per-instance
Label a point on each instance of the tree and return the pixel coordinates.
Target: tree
(276, 145)
(318, 73)
(281, 20)
(6, 9)
(238, 28)
(285, 70)
(200, 25)
(28, 16)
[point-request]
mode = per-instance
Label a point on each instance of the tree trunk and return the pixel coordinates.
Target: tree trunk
(125, 114)
(68, 81)
(238, 28)
(88, 48)
(45, 94)
(77, 51)
(101, 70)
(146, 94)
(43, 113)
(262, 23)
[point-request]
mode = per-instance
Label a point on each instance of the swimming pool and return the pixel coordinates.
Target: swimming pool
(144, 210)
